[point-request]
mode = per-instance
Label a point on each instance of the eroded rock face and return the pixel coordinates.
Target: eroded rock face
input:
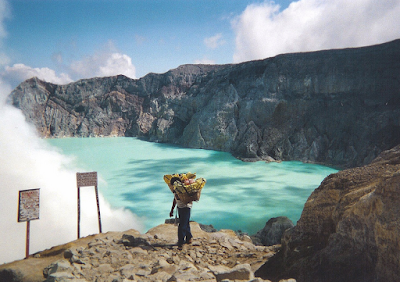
(338, 107)
(349, 229)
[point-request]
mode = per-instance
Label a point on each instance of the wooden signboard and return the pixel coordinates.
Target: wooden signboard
(28, 209)
(28, 205)
(84, 179)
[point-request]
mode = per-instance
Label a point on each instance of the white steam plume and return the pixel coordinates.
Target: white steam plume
(103, 64)
(20, 72)
(28, 162)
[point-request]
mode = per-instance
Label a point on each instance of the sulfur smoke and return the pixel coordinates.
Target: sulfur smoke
(28, 162)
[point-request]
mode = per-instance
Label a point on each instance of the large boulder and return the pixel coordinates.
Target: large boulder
(273, 230)
(10, 275)
(349, 229)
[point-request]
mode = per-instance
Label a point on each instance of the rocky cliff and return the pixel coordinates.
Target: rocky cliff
(337, 107)
(349, 228)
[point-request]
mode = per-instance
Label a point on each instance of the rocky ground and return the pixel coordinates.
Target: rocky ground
(154, 256)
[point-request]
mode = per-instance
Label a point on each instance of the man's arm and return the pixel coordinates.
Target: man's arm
(171, 214)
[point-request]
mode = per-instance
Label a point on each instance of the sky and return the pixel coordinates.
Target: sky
(62, 41)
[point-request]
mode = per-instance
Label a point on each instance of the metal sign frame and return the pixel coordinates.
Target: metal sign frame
(84, 179)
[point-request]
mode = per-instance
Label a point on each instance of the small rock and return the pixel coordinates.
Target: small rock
(69, 253)
(132, 241)
(239, 272)
(59, 266)
(61, 277)
(258, 279)
(127, 270)
(138, 250)
(105, 268)
(207, 228)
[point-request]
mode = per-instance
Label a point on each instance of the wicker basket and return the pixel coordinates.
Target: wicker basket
(185, 192)
(186, 198)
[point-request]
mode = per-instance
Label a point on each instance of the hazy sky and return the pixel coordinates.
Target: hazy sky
(65, 40)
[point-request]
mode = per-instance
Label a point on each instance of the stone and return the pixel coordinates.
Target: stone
(69, 253)
(127, 270)
(60, 277)
(226, 244)
(208, 228)
(273, 230)
(163, 266)
(258, 279)
(172, 221)
(239, 272)
(105, 268)
(159, 276)
(132, 241)
(59, 266)
(11, 275)
(138, 250)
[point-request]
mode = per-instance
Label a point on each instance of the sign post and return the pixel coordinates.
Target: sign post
(87, 179)
(28, 209)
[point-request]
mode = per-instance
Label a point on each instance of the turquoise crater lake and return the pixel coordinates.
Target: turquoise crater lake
(237, 196)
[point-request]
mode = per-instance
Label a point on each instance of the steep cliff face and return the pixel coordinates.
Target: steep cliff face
(349, 229)
(337, 107)
(109, 106)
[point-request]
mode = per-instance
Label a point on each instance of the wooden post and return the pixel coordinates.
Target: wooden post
(98, 208)
(79, 212)
(27, 238)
